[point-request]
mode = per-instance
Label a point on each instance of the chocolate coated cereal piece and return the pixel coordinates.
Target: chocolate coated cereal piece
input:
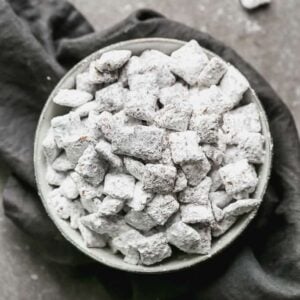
(119, 186)
(158, 63)
(104, 150)
(76, 212)
(138, 141)
(241, 207)
(174, 116)
(206, 125)
(231, 214)
(60, 204)
(62, 164)
(147, 82)
(139, 220)
(97, 77)
(72, 98)
(110, 206)
(196, 171)
(161, 208)
(216, 179)
(234, 84)
(180, 182)
(91, 238)
(154, 58)
(84, 109)
(92, 124)
(53, 177)
(242, 119)
(107, 125)
(134, 167)
(83, 83)
(112, 60)
(232, 155)
(141, 105)
(174, 94)
(126, 243)
(184, 147)
(212, 72)
(185, 238)
(205, 239)
(166, 157)
(112, 226)
(213, 153)
(86, 190)
(251, 146)
(89, 194)
(91, 167)
(75, 147)
(210, 100)
(111, 98)
(196, 213)
(220, 198)
(51, 151)
(159, 178)
(65, 126)
(197, 194)
(69, 188)
(188, 62)
(239, 177)
(140, 198)
(154, 249)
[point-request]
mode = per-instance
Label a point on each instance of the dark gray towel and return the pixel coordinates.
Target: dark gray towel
(38, 43)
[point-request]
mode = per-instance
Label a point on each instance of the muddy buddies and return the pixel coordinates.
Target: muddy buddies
(158, 153)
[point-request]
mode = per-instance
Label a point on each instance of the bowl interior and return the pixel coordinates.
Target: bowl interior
(178, 260)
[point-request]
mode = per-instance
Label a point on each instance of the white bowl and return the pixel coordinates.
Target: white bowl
(179, 260)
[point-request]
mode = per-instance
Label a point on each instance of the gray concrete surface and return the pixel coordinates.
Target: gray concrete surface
(268, 39)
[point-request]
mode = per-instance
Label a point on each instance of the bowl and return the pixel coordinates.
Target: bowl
(105, 256)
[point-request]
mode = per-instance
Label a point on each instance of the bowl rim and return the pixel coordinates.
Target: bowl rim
(159, 268)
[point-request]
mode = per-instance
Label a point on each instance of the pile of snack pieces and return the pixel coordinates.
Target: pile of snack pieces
(154, 152)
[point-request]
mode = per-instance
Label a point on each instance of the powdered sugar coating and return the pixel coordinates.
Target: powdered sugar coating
(161, 153)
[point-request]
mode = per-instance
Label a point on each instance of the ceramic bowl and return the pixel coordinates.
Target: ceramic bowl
(105, 256)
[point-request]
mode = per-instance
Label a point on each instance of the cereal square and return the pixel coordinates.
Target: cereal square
(174, 116)
(161, 208)
(111, 98)
(119, 186)
(239, 177)
(159, 178)
(184, 147)
(139, 141)
(188, 62)
(206, 125)
(212, 72)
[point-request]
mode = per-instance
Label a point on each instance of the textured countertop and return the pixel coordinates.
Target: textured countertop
(268, 39)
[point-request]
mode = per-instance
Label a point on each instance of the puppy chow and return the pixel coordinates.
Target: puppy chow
(154, 151)
(138, 141)
(119, 185)
(159, 178)
(239, 177)
(174, 116)
(72, 98)
(140, 197)
(212, 72)
(112, 60)
(206, 126)
(161, 208)
(188, 62)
